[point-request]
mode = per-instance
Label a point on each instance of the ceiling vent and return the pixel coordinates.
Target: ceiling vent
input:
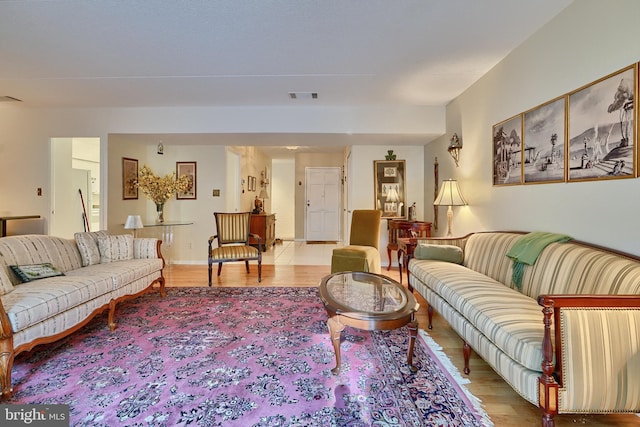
(9, 99)
(303, 95)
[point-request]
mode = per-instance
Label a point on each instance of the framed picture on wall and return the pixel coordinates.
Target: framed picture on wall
(544, 143)
(390, 188)
(507, 152)
(602, 138)
(129, 179)
(189, 170)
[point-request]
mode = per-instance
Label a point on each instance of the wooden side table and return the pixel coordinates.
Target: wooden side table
(406, 247)
(400, 228)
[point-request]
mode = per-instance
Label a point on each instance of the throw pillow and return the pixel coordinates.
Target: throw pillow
(5, 283)
(88, 246)
(448, 253)
(30, 272)
(115, 248)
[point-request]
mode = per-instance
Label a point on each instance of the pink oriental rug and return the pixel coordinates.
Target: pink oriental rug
(240, 357)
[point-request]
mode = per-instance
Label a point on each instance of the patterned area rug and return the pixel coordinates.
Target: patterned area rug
(240, 357)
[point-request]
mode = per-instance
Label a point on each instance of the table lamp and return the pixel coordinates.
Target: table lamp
(133, 223)
(450, 195)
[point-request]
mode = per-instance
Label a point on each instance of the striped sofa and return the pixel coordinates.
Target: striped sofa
(567, 340)
(98, 272)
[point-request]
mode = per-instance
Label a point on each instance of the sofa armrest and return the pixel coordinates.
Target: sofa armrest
(596, 342)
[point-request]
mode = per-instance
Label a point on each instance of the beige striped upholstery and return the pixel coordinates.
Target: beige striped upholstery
(505, 326)
(228, 253)
(599, 374)
(232, 227)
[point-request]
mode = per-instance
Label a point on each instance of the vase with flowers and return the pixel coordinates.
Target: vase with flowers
(159, 189)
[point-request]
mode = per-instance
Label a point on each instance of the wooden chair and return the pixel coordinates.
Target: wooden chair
(233, 242)
(362, 252)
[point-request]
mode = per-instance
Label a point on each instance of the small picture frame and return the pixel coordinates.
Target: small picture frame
(129, 179)
(601, 123)
(189, 170)
(390, 172)
(507, 151)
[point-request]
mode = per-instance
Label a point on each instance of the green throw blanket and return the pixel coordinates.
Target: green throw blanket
(527, 249)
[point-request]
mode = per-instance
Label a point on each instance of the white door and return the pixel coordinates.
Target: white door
(323, 204)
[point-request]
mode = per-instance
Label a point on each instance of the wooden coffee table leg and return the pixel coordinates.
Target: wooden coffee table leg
(413, 333)
(335, 329)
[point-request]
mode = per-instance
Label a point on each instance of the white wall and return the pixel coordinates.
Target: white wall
(25, 134)
(190, 241)
(588, 40)
(283, 183)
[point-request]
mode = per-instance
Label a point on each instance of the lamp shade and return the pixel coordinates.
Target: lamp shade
(263, 194)
(450, 194)
(133, 222)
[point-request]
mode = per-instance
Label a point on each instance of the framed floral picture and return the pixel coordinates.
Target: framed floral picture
(544, 143)
(507, 152)
(187, 169)
(129, 178)
(602, 138)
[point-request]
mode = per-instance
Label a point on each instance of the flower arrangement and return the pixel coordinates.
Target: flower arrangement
(160, 189)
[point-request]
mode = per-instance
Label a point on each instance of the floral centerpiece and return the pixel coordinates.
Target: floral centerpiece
(159, 189)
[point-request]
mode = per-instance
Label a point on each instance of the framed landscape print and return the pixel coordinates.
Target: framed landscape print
(602, 139)
(129, 179)
(544, 143)
(389, 188)
(188, 169)
(507, 152)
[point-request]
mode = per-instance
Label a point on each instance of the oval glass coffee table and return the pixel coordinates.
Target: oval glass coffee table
(367, 301)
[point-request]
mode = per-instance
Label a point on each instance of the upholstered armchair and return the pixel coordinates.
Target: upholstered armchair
(233, 242)
(362, 252)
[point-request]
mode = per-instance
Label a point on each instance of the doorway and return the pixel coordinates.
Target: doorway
(75, 186)
(323, 195)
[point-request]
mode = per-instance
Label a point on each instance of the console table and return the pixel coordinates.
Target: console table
(400, 228)
(166, 235)
(4, 219)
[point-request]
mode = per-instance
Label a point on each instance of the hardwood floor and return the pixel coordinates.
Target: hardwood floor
(504, 406)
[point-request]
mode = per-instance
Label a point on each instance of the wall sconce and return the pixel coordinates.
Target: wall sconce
(450, 195)
(160, 148)
(264, 181)
(455, 145)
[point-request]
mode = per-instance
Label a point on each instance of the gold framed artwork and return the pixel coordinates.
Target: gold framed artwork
(585, 135)
(189, 170)
(390, 187)
(602, 136)
(507, 151)
(544, 154)
(129, 178)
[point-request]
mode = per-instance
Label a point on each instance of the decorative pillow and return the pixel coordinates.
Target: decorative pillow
(115, 248)
(88, 246)
(448, 253)
(30, 272)
(5, 283)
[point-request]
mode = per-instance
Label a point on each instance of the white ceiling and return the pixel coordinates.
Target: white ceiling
(358, 53)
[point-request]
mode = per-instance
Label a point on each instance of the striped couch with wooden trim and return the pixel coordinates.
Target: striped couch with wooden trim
(48, 309)
(568, 340)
